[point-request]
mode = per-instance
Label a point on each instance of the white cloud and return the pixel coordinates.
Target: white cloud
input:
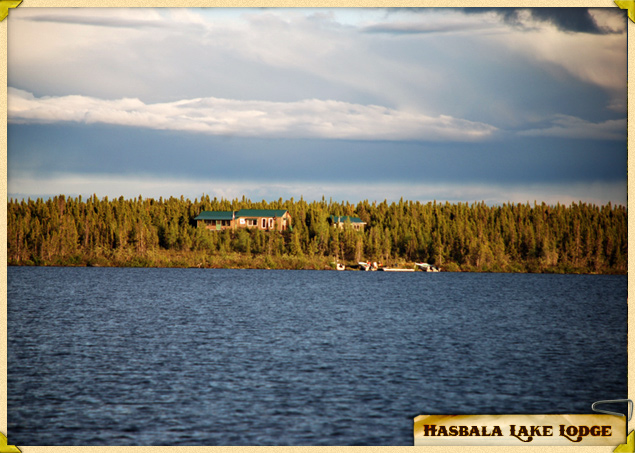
(310, 118)
(599, 60)
(160, 55)
(571, 127)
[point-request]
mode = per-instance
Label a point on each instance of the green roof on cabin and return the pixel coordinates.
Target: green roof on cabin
(344, 218)
(261, 213)
(228, 215)
(214, 215)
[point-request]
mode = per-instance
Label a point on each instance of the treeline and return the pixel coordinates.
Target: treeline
(580, 238)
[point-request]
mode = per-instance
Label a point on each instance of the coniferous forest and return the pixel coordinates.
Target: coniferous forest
(579, 238)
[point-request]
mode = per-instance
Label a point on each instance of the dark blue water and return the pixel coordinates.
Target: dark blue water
(100, 356)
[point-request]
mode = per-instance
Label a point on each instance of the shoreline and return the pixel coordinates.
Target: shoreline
(290, 263)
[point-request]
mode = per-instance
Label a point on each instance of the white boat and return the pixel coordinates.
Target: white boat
(340, 266)
(425, 267)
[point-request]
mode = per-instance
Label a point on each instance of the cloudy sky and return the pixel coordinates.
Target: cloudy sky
(467, 104)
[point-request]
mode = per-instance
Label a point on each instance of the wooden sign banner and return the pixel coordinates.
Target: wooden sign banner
(514, 430)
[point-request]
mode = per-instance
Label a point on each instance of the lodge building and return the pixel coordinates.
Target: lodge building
(263, 219)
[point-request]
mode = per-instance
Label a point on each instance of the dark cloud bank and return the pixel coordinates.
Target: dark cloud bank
(575, 20)
(569, 19)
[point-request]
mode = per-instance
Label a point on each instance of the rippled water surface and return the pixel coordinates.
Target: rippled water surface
(101, 356)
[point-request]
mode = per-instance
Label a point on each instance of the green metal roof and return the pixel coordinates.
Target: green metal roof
(344, 218)
(228, 215)
(261, 213)
(214, 215)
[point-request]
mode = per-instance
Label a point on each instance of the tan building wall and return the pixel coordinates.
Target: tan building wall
(265, 223)
(262, 223)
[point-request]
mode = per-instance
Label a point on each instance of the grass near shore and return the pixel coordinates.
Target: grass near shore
(234, 260)
(190, 259)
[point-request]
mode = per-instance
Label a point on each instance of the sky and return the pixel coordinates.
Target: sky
(448, 104)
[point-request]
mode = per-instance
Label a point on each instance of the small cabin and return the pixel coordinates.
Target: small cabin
(355, 222)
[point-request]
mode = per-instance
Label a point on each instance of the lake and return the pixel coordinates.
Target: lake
(112, 356)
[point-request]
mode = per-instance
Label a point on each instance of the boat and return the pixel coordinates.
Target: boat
(425, 267)
(368, 266)
(339, 266)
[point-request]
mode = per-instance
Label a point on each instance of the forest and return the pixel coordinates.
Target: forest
(457, 237)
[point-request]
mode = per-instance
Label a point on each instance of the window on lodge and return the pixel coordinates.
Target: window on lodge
(252, 222)
(223, 222)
